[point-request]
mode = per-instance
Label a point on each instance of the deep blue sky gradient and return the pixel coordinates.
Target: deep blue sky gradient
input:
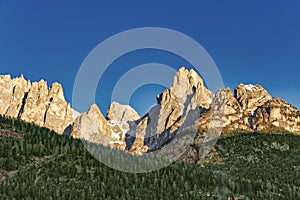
(250, 41)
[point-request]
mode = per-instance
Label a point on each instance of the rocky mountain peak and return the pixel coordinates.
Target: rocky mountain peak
(276, 115)
(35, 103)
(19, 92)
(185, 80)
(186, 103)
(92, 125)
(118, 113)
(225, 102)
(185, 83)
(230, 116)
(56, 91)
(251, 96)
(6, 89)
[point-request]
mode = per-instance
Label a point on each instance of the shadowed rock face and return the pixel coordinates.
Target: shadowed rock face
(35, 103)
(187, 103)
(173, 101)
(186, 98)
(128, 131)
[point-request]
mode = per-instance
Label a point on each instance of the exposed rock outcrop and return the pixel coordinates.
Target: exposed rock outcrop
(127, 130)
(276, 115)
(59, 113)
(118, 113)
(5, 93)
(173, 101)
(19, 94)
(251, 97)
(177, 108)
(35, 103)
(110, 132)
(232, 117)
(187, 103)
(92, 126)
(237, 109)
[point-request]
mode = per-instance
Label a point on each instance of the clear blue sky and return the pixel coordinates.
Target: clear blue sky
(250, 41)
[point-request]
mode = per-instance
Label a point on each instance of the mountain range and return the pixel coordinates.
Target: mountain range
(187, 103)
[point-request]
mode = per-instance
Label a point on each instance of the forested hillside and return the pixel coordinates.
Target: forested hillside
(37, 163)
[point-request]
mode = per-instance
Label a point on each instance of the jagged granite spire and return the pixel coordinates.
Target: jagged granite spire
(35, 103)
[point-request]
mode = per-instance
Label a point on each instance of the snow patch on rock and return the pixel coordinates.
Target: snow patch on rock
(249, 87)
